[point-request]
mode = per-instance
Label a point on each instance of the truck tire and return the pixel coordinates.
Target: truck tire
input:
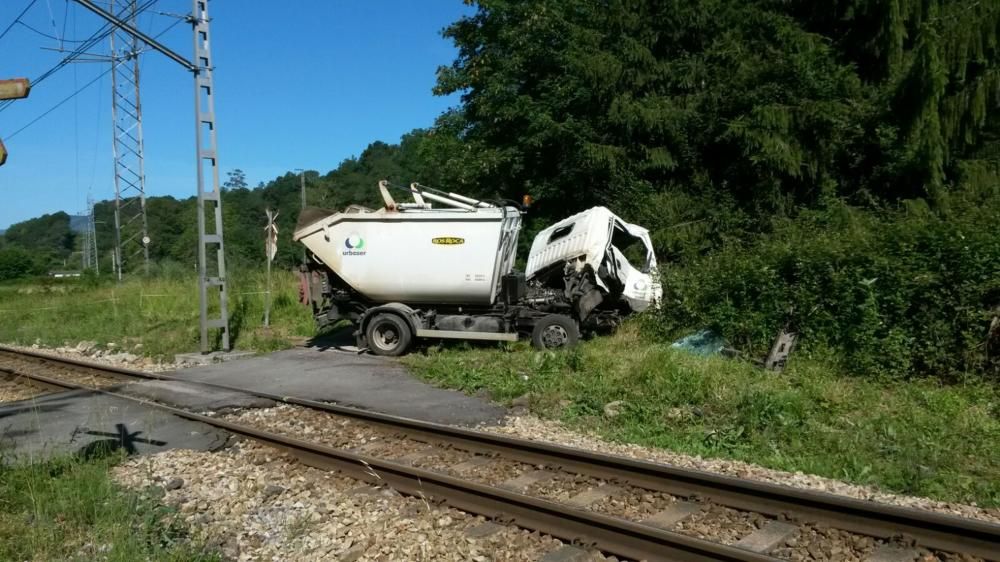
(388, 335)
(555, 331)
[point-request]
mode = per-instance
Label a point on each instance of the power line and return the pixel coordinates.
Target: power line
(98, 36)
(79, 90)
(58, 105)
(18, 18)
(46, 35)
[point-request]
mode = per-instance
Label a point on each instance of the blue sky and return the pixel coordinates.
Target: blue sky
(299, 84)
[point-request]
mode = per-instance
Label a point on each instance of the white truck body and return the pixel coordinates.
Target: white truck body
(418, 255)
(411, 270)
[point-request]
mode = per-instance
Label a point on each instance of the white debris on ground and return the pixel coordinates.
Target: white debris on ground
(252, 503)
(108, 354)
(535, 429)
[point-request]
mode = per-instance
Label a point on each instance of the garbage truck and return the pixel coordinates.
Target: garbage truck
(441, 265)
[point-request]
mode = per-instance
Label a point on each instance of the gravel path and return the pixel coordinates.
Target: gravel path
(252, 503)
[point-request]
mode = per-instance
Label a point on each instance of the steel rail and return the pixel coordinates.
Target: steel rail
(39, 384)
(929, 529)
(608, 534)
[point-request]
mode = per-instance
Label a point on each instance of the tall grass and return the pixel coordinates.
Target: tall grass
(159, 315)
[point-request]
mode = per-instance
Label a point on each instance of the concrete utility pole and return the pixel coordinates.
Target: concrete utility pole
(302, 183)
(15, 89)
(206, 150)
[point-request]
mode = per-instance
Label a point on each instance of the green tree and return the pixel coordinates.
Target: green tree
(236, 179)
(745, 109)
(48, 237)
(16, 263)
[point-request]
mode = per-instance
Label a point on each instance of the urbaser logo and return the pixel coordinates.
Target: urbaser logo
(355, 245)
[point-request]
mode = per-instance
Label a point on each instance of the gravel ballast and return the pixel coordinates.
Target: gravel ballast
(535, 429)
(12, 390)
(252, 503)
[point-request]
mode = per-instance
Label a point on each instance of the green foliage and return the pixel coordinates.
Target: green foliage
(16, 263)
(915, 437)
(773, 105)
(49, 238)
(896, 292)
(70, 509)
(826, 156)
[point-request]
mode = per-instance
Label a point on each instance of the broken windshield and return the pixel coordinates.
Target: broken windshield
(632, 247)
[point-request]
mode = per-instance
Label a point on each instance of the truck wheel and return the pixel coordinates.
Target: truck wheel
(555, 331)
(388, 334)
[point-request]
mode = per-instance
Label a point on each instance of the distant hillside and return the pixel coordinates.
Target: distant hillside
(47, 237)
(78, 223)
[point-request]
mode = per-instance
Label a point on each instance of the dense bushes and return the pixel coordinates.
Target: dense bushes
(893, 292)
(16, 262)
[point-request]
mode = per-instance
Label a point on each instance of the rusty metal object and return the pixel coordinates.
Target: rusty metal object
(14, 89)
(928, 529)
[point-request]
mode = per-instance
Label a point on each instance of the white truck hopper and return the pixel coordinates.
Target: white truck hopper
(418, 254)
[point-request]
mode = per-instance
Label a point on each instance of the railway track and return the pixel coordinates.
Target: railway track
(399, 458)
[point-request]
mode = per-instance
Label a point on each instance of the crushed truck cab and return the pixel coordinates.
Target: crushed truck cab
(415, 270)
(594, 239)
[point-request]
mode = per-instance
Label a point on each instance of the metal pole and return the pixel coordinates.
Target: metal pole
(209, 194)
(131, 227)
(142, 160)
(115, 262)
(267, 296)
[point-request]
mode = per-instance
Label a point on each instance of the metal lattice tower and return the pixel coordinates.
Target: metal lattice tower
(90, 240)
(131, 233)
(211, 276)
(214, 311)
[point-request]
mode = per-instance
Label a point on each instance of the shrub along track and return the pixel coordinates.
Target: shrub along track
(763, 516)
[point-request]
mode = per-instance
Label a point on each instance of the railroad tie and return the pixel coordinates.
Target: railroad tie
(415, 456)
(893, 553)
(593, 495)
(677, 512)
(368, 448)
(484, 529)
(567, 553)
(763, 540)
(524, 481)
(470, 465)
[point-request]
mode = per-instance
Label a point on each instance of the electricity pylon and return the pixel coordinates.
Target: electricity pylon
(131, 229)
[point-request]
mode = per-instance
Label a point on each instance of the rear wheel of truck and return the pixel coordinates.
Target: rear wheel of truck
(555, 331)
(388, 334)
